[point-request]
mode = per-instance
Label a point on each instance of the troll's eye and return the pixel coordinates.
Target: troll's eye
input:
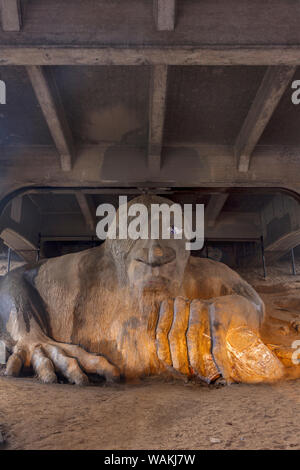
(175, 230)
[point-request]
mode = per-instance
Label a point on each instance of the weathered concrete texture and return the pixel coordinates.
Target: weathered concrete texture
(281, 226)
(117, 301)
(105, 104)
(22, 121)
(71, 213)
(115, 97)
(132, 22)
(29, 224)
(199, 112)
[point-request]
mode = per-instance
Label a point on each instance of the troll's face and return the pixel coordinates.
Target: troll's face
(146, 264)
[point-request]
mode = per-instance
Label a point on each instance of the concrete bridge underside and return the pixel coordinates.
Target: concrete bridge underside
(153, 96)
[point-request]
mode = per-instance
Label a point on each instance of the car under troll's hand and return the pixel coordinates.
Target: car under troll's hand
(134, 308)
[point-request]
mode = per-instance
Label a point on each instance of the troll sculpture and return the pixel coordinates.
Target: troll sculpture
(134, 308)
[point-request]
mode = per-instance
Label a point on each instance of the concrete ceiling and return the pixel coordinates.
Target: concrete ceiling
(149, 92)
(140, 94)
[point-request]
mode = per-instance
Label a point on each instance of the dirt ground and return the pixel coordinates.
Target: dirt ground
(157, 415)
(149, 416)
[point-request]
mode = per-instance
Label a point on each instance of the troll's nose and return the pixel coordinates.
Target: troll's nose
(156, 255)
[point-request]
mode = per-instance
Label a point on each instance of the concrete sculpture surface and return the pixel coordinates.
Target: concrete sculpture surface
(134, 308)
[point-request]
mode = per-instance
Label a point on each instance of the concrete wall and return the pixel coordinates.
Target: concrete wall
(279, 217)
(29, 225)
